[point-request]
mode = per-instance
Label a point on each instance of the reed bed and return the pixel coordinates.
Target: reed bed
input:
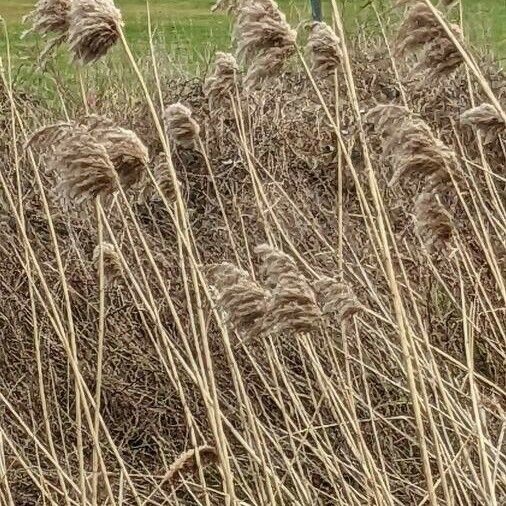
(267, 285)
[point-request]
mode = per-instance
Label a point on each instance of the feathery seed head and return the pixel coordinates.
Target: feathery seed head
(434, 223)
(293, 303)
(187, 462)
(94, 27)
(336, 297)
(49, 16)
(219, 87)
(244, 301)
(180, 125)
(163, 177)
(113, 268)
(264, 39)
(127, 152)
(486, 118)
(323, 47)
(84, 168)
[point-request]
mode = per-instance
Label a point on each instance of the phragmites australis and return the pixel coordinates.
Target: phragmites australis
(83, 167)
(163, 178)
(221, 85)
(127, 152)
(49, 16)
(336, 297)
(433, 222)
(486, 119)
(226, 5)
(243, 300)
(189, 461)
(264, 39)
(293, 303)
(113, 268)
(412, 148)
(323, 46)
(180, 125)
(421, 29)
(94, 27)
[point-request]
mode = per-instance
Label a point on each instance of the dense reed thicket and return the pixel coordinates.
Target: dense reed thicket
(280, 283)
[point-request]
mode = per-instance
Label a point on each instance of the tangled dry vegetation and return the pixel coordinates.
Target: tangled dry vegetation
(280, 284)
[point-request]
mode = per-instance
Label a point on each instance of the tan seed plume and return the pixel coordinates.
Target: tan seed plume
(84, 168)
(128, 154)
(186, 463)
(163, 178)
(49, 16)
(336, 297)
(293, 304)
(244, 301)
(113, 268)
(264, 39)
(486, 119)
(94, 27)
(221, 85)
(180, 125)
(433, 222)
(323, 47)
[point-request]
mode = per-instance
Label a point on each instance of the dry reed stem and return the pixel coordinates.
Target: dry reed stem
(244, 301)
(180, 126)
(293, 304)
(323, 48)
(93, 29)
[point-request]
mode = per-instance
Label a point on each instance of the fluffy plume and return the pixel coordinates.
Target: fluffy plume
(293, 303)
(163, 177)
(84, 168)
(94, 27)
(264, 39)
(180, 125)
(230, 6)
(336, 297)
(127, 152)
(386, 118)
(244, 300)
(187, 462)
(412, 147)
(433, 222)
(113, 268)
(219, 87)
(323, 48)
(49, 16)
(486, 118)
(420, 28)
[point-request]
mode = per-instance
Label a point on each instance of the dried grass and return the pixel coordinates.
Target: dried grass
(188, 462)
(49, 17)
(434, 223)
(221, 86)
(335, 296)
(486, 119)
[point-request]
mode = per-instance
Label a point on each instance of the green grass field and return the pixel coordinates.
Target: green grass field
(189, 30)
